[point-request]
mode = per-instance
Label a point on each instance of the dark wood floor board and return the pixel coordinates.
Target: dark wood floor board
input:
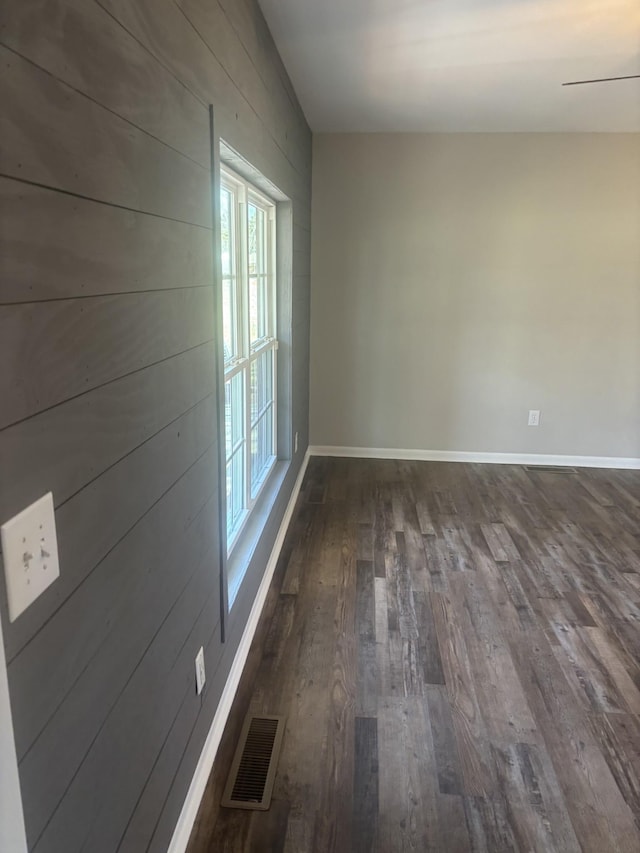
(633, 578)
(58, 246)
(522, 595)
(403, 592)
(139, 481)
(337, 484)
(617, 546)
(384, 542)
(460, 673)
(600, 817)
(365, 785)
(230, 833)
(459, 557)
(82, 45)
(143, 174)
(471, 735)
(274, 685)
(619, 737)
(500, 696)
(427, 642)
(492, 575)
(493, 542)
(98, 429)
(436, 566)
(489, 824)
(299, 552)
(307, 717)
(53, 351)
(315, 482)
(454, 832)
(531, 792)
(622, 523)
(610, 592)
(365, 542)
(367, 670)
(124, 581)
(333, 831)
(448, 768)
(407, 816)
(269, 829)
(623, 669)
(576, 603)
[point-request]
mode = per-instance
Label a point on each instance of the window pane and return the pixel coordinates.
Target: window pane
(235, 449)
(235, 492)
(258, 270)
(225, 229)
(261, 384)
(234, 412)
(229, 292)
(228, 319)
(262, 417)
(261, 449)
(252, 237)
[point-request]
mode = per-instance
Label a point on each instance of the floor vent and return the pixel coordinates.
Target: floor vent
(253, 772)
(550, 469)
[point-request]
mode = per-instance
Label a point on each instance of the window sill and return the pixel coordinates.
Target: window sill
(247, 542)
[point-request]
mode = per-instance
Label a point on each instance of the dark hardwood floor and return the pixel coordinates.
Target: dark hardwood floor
(457, 651)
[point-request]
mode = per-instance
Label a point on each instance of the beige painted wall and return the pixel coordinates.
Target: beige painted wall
(460, 280)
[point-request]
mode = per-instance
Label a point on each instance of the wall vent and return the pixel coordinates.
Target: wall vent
(253, 771)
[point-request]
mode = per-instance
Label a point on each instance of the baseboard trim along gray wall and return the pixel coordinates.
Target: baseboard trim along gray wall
(469, 456)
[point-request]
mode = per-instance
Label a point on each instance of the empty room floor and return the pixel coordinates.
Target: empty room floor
(456, 648)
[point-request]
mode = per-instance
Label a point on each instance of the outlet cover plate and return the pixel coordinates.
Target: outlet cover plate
(200, 673)
(30, 553)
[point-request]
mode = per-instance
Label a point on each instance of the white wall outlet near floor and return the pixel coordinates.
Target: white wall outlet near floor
(534, 417)
(200, 673)
(30, 552)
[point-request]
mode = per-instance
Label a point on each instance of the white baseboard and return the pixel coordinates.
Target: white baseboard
(470, 456)
(196, 790)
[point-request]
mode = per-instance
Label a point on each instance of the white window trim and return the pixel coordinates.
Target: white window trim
(248, 354)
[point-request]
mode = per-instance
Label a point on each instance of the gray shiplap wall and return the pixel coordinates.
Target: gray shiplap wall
(108, 390)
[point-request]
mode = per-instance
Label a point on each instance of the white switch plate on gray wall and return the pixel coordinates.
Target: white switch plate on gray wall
(30, 553)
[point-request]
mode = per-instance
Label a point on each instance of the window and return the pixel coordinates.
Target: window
(250, 346)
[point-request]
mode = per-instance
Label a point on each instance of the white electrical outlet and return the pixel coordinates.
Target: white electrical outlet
(200, 673)
(534, 417)
(295, 443)
(30, 552)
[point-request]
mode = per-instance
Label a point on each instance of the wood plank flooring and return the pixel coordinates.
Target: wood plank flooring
(457, 650)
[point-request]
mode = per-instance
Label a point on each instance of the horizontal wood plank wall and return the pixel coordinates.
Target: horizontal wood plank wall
(109, 393)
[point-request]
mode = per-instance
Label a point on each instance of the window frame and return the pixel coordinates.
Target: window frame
(247, 352)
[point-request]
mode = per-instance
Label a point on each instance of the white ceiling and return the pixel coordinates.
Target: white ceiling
(461, 65)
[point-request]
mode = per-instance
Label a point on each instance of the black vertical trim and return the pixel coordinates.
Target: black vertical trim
(219, 369)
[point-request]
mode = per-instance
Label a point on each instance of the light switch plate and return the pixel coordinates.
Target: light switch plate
(30, 553)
